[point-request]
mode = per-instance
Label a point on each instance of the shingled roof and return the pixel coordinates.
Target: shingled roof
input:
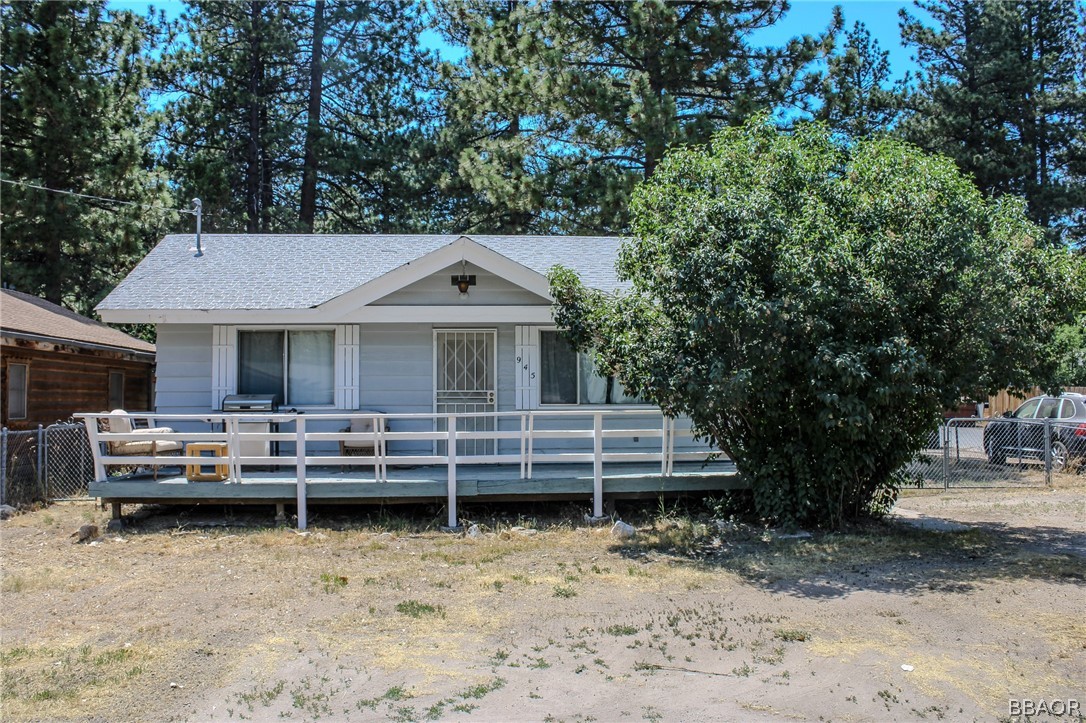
(267, 271)
(23, 314)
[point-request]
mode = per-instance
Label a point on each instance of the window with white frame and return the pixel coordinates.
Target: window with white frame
(297, 365)
(17, 385)
(567, 377)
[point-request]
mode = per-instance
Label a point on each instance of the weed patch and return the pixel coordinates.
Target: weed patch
(416, 609)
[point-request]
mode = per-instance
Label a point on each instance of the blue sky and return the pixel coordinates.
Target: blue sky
(812, 16)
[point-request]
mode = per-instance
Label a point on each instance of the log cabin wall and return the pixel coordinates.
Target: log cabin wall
(63, 379)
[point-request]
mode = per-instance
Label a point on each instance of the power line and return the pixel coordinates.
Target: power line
(191, 211)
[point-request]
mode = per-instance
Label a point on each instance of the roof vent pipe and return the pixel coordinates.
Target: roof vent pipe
(198, 211)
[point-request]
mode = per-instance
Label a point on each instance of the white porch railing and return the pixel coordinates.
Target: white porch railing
(572, 437)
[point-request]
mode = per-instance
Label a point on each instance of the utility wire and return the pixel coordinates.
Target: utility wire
(191, 211)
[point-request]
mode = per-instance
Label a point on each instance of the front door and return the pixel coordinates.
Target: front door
(465, 382)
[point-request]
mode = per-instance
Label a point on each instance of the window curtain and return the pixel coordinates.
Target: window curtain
(311, 378)
(558, 362)
(597, 389)
(260, 363)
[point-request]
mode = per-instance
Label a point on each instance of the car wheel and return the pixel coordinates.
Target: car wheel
(995, 456)
(1059, 456)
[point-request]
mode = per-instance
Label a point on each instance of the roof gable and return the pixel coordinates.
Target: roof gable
(463, 249)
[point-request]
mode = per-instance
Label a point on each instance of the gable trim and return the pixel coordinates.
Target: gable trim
(463, 249)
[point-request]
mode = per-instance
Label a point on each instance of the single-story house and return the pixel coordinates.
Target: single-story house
(54, 363)
(426, 330)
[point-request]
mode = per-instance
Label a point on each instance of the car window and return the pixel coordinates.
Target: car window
(1027, 410)
(1049, 408)
(1067, 410)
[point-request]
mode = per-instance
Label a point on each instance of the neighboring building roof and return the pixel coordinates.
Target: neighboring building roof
(23, 314)
(269, 271)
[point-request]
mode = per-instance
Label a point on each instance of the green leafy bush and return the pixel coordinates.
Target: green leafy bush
(812, 306)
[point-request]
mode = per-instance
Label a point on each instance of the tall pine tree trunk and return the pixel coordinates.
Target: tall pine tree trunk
(254, 172)
(308, 212)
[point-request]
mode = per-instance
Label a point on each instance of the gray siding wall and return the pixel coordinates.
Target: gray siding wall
(396, 377)
(438, 290)
(183, 375)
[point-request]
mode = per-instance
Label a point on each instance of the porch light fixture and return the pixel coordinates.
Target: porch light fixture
(463, 281)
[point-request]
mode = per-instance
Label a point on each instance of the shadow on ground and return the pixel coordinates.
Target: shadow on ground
(888, 556)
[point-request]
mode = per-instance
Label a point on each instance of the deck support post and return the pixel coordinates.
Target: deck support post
(597, 465)
(116, 510)
(450, 467)
(299, 455)
(280, 512)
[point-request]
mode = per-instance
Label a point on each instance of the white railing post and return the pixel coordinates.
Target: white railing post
(299, 455)
(450, 466)
(523, 445)
(380, 472)
(663, 447)
(671, 448)
(233, 447)
(91, 424)
(531, 443)
(597, 465)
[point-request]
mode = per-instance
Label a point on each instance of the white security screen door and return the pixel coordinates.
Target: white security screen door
(465, 382)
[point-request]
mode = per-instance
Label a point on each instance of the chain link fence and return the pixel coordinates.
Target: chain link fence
(1001, 452)
(45, 464)
(55, 462)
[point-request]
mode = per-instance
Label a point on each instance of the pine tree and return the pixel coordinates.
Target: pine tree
(573, 103)
(230, 130)
(1052, 117)
(1000, 90)
(368, 160)
(855, 94)
(302, 116)
(75, 119)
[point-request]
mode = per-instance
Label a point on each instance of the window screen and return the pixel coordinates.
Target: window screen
(116, 390)
(571, 378)
(558, 367)
(260, 362)
(17, 379)
(298, 366)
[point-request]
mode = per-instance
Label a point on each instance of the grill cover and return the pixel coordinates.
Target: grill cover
(251, 403)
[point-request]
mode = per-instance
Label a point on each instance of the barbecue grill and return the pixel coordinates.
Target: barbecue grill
(266, 403)
(255, 404)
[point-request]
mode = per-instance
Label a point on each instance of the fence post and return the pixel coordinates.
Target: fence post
(946, 455)
(41, 456)
(450, 467)
(4, 466)
(299, 454)
(45, 466)
(1048, 452)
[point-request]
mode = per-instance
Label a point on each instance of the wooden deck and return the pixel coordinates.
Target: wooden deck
(491, 482)
(530, 454)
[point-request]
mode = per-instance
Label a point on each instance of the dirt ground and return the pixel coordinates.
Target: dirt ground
(212, 614)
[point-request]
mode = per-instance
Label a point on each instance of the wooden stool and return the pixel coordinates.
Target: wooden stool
(195, 472)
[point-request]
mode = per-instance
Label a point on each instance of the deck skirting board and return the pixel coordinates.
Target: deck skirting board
(345, 490)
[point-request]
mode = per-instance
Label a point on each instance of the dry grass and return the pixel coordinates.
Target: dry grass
(390, 619)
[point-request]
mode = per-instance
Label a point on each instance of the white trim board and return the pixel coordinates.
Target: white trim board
(447, 314)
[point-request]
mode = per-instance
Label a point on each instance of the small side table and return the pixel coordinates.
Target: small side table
(195, 472)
